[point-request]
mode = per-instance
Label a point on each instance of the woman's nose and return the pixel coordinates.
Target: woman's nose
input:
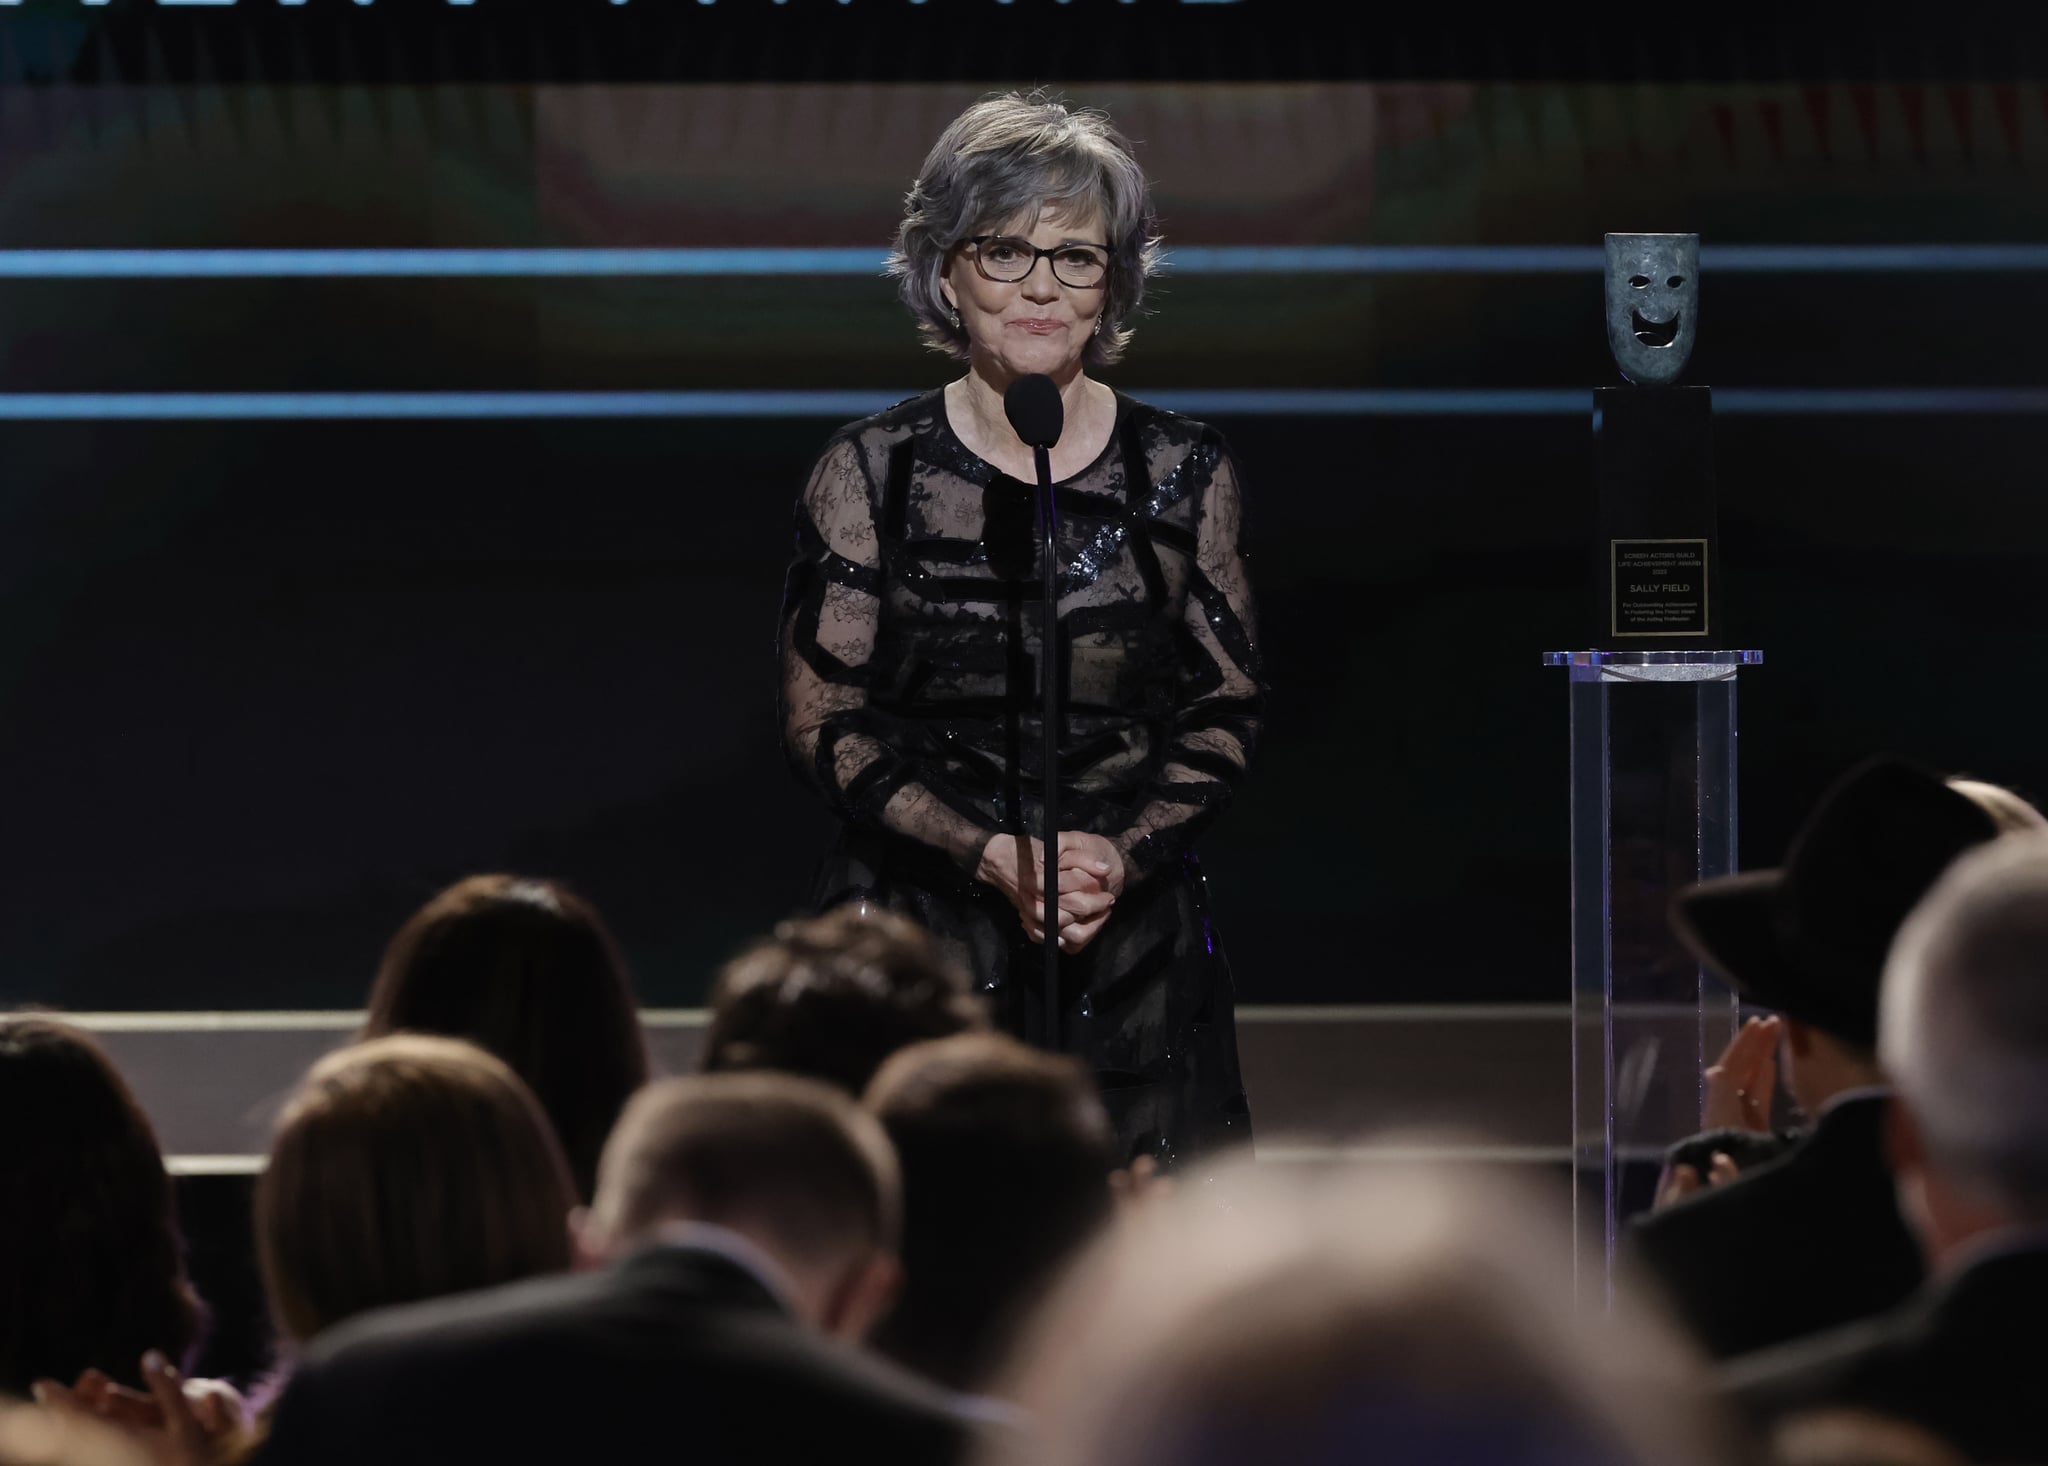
(1041, 284)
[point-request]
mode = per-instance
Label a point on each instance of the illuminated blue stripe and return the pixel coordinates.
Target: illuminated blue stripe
(252, 264)
(840, 404)
(200, 406)
(1320, 259)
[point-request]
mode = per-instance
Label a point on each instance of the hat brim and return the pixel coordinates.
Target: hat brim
(1728, 923)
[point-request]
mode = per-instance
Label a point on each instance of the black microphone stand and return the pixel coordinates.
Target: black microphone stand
(1049, 697)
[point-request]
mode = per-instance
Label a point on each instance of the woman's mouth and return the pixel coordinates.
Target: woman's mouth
(1039, 326)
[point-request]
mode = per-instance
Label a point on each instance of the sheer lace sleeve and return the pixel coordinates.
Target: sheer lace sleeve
(1222, 696)
(830, 616)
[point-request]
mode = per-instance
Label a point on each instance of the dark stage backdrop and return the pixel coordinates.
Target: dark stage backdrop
(268, 679)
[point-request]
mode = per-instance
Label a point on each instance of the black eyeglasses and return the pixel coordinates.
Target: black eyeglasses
(1007, 259)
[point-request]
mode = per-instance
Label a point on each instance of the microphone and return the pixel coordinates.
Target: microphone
(1036, 414)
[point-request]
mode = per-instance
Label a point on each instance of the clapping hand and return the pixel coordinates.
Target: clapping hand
(1091, 877)
(1742, 1082)
(1740, 1086)
(180, 1422)
(1681, 1181)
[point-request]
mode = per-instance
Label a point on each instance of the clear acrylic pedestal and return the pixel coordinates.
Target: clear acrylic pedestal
(1653, 809)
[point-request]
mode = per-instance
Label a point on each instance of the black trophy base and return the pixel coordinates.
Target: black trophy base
(1658, 577)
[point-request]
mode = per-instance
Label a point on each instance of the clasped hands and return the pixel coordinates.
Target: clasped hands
(1091, 876)
(1740, 1086)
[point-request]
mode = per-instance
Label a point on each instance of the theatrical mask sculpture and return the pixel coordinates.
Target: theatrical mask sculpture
(1653, 294)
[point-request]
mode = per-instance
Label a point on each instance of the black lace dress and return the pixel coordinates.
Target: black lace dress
(909, 652)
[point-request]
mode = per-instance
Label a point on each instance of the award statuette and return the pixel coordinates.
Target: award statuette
(1655, 442)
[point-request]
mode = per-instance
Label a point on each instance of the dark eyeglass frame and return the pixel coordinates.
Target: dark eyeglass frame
(1037, 254)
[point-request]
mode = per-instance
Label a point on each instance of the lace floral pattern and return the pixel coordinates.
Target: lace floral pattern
(910, 639)
(911, 636)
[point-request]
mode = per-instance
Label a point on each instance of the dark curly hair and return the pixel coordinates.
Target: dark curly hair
(832, 996)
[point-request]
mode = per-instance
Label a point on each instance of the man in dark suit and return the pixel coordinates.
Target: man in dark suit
(743, 1237)
(1812, 1239)
(1964, 1034)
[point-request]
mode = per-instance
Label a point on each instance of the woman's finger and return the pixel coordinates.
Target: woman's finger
(169, 1393)
(1075, 937)
(1086, 905)
(1681, 1182)
(127, 1407)
(1767, 1053)
(1089, 853)
(1732, 1053)
(53, 1396)
(215, 1405)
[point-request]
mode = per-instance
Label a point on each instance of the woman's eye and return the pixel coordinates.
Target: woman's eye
(1641, 282)
(1675, 281)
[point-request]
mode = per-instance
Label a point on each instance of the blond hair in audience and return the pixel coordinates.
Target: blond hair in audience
(1310, 1316)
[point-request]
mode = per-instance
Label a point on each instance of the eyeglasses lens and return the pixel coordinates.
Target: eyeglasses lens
(1006, 258)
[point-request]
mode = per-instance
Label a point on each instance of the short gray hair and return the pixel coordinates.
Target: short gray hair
(1006, 157)
(1963, 1029)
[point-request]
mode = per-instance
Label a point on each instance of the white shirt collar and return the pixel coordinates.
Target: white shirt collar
(739, 1250)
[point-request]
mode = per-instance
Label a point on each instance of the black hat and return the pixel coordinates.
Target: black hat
(1810, 939)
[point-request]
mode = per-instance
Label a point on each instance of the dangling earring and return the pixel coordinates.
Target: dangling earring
(1098, 327)
(954, 312)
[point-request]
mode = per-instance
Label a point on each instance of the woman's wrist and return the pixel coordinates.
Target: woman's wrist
(988, 869)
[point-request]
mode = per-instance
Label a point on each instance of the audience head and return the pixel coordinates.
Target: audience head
(831, 997)
(406, 1168)
(1809, 940)
(791, 1165)
(1965, 1038)
(92, 1267)
(1838, 1437)
(1006, 1155)
(2008, 810)
(1324, 1317)
(526, 970)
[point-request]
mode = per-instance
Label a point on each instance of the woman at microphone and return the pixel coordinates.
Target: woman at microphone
(910, 629)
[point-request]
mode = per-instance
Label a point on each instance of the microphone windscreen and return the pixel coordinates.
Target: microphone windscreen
(1034, 409)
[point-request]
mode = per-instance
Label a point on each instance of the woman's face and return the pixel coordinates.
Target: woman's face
(1039, 323)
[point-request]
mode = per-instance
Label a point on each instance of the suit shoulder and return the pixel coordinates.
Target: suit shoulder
(1837, 1366)
(836, 1368)
(497, 1313)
